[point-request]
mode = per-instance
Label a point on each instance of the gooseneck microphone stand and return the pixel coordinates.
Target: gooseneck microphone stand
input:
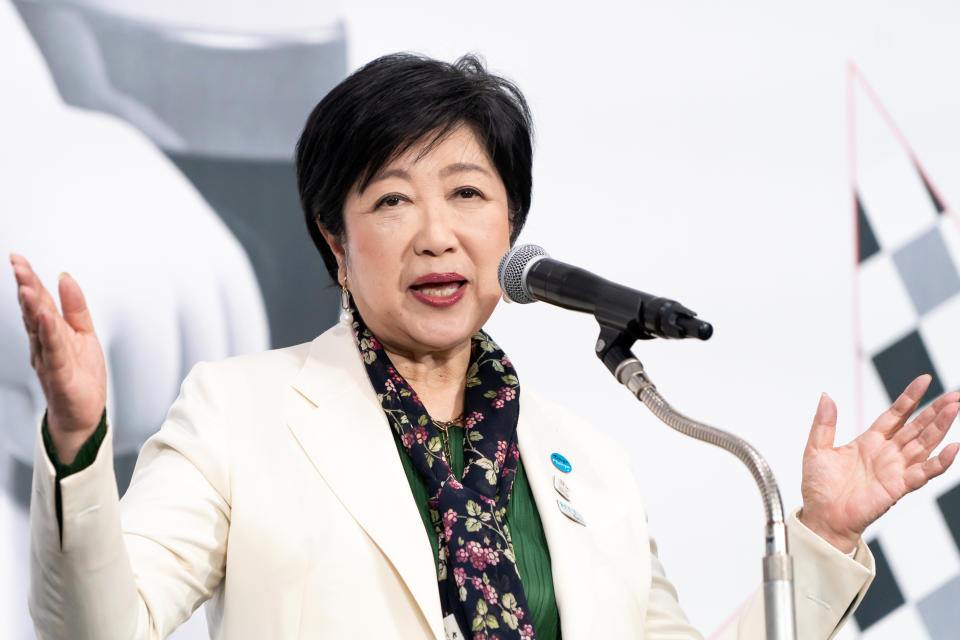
(527, 273)
(613, 348)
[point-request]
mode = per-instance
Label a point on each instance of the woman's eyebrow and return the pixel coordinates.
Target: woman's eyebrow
(457, 167)
(460, 167)
(389, 173)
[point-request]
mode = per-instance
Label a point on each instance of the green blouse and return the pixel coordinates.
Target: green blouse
(526, 532)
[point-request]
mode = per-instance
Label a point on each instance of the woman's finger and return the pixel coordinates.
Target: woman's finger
(932, 435)
(25, 275)
(912, 430)
(824, 428)
(35, 349)
(74, 305)
(893, 418)
(29, 305)
(52, 342)
(32, 302)
(29, 319)
(934, 466)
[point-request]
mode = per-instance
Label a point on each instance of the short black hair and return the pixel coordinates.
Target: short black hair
(389, 104)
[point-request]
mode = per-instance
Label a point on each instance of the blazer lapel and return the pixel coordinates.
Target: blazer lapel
(346, 436)
(568, 541)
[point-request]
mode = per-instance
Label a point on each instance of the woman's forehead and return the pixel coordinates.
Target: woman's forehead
(439, 153)
(438, 149)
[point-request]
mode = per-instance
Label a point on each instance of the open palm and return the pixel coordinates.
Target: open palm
(66, 355)
(846, 488)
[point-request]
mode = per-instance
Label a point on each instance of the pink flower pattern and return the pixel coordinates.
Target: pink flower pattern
(501, 453)
(504, 395)
(472, 420)
(420, 434)
(449, 518)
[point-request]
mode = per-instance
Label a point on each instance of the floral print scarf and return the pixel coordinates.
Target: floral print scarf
(477, 572)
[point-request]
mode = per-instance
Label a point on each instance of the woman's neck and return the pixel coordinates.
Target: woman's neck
(438, 378)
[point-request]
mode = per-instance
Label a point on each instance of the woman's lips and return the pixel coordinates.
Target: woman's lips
(439, 290)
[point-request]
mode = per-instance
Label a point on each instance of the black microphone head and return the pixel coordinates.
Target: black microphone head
(512, 271)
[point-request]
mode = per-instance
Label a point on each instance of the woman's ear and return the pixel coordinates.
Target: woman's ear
(338, 251)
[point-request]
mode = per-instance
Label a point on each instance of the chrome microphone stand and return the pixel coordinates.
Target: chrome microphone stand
(613, 348)
(527, 273)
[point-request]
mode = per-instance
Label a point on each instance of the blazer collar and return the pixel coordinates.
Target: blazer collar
(344, 419)
(344, 423)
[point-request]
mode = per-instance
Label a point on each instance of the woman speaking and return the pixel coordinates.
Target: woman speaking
(390, 479)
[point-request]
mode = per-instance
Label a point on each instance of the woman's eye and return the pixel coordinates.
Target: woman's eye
(468, 192)
(391, 200)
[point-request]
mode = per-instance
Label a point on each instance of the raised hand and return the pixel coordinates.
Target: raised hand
(66, 356)
(846, 488)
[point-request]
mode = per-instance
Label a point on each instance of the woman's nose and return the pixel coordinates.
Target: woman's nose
(435, 235)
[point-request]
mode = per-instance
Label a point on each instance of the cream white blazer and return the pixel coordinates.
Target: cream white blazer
(274, 490)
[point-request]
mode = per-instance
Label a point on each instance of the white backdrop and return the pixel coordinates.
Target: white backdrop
(700, 152)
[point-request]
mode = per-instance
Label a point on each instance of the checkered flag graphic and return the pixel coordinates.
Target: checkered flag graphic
(908, 252)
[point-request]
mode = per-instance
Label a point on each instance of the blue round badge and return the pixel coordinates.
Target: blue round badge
(560, 462)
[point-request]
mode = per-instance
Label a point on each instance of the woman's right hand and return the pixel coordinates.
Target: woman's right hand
(66, 355)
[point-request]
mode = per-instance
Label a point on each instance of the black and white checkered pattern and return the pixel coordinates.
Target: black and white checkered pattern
(908, 249)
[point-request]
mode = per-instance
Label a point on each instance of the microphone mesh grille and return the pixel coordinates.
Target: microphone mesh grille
(511, 269)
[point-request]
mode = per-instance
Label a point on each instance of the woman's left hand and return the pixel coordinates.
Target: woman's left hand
(846, 488)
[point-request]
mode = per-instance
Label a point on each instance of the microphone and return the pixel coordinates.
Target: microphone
(527, 274)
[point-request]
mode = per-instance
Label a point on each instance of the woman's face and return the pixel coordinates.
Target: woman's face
(422, 243)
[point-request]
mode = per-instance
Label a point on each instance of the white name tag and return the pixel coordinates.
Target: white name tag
(570, 512)
(561, 487)
(451, 628)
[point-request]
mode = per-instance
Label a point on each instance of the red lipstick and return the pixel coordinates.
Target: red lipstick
(439, 289)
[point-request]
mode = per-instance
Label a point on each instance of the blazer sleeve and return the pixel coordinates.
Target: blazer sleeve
(139, 567)
(828, 586)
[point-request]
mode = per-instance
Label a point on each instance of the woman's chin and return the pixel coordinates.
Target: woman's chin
(418, 329)
(441, 340)
(442, 334)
